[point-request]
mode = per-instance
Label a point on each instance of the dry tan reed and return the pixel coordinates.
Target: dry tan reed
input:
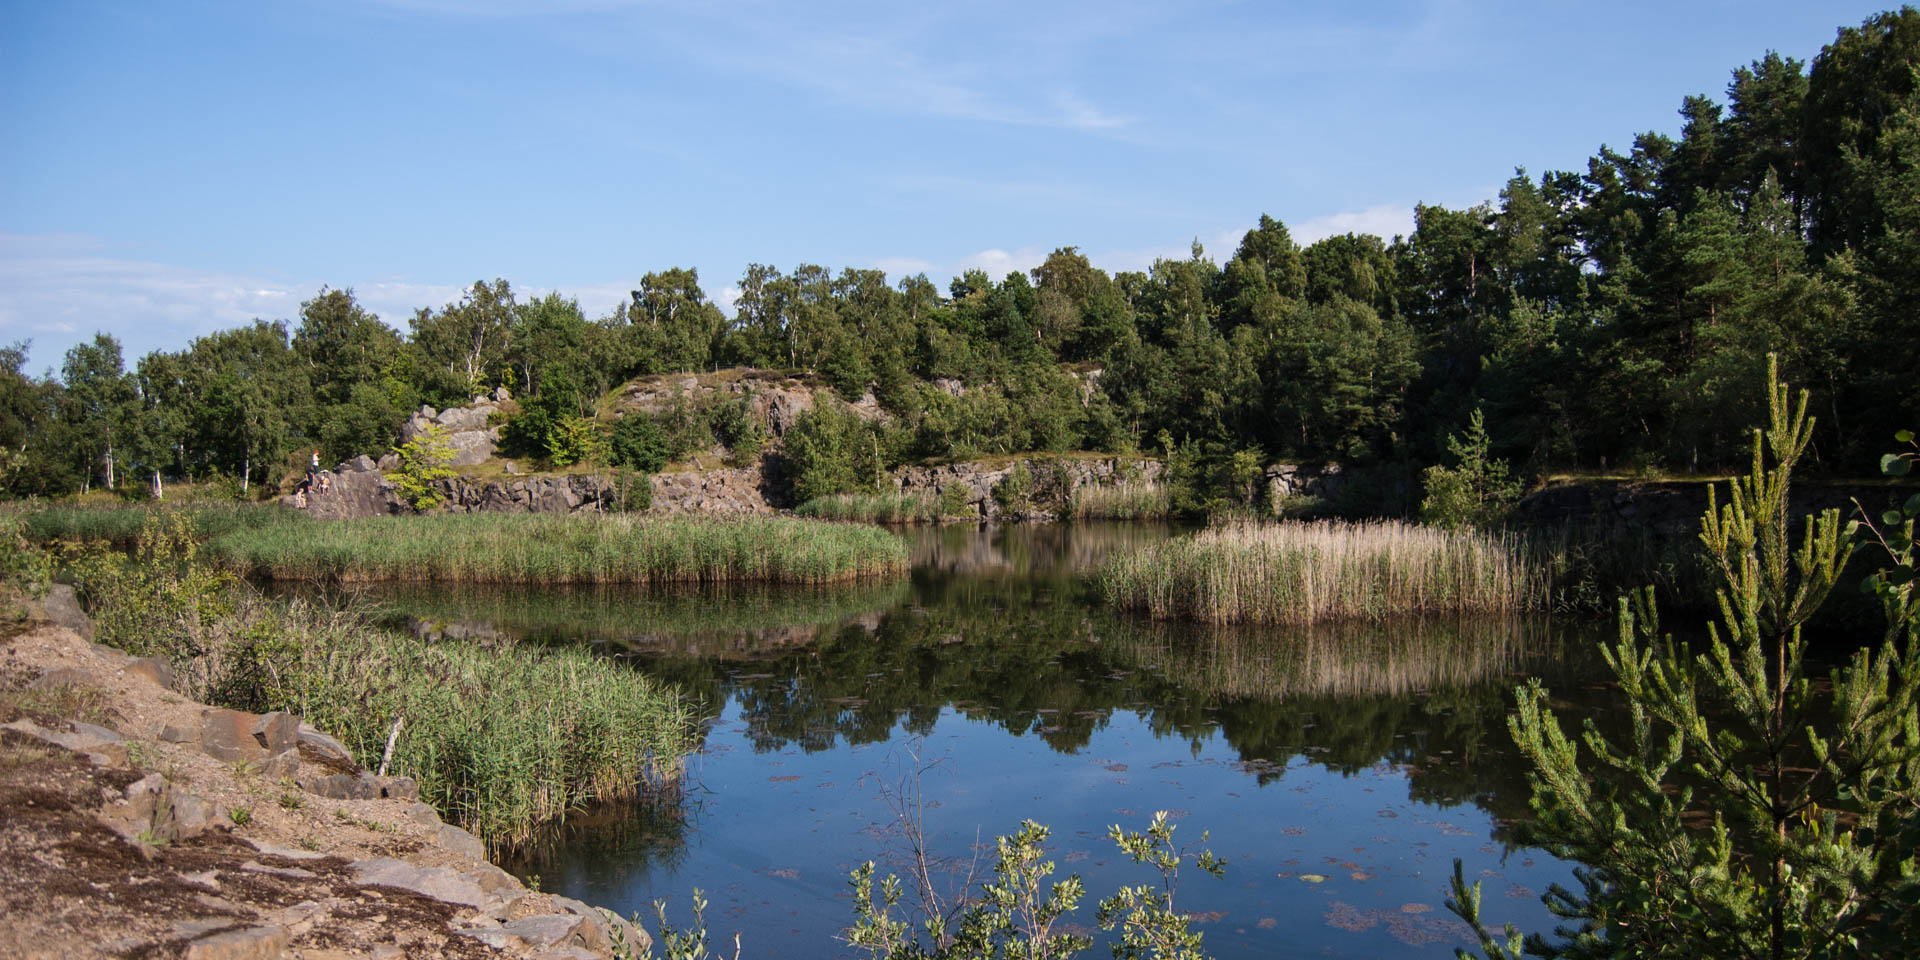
(1308, 572)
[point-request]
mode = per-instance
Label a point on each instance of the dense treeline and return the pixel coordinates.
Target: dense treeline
(1616, 317)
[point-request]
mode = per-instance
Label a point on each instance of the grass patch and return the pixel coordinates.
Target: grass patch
(1297, 573)
(120, 523)
(875, 508)
(537, 548)
(500, 739)
(1120, 501)
(616, 613)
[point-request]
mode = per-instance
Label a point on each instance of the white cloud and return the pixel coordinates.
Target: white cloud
(54, 294)
(1385, 221)
(58, 290)
(999, 263)
(897, 267)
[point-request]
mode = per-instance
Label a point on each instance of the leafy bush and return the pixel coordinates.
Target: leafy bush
(575, 440)
(831, 450)
(638, 442)
(1476, 490)
(736, 426)
(423, 460)
(954, 500)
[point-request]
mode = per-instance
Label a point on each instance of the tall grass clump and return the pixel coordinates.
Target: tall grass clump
(500, 739)
(1297, 573)
(874, 508)
(544, 548)
(120, 523)
(1120, 501)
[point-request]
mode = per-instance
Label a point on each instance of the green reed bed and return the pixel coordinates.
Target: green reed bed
(536, 548)
(1120, 501)
(501, 740)
(1299, 573)
(874, 508)
(619, 612)
(120, 524)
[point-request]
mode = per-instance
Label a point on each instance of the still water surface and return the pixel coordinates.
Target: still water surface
(1340, 772)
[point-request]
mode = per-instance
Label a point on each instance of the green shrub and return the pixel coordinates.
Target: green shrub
(423, 460)
(954, 500)
(639, 442)
(1476, 490)
(831, 450)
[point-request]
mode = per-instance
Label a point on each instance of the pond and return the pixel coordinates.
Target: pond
(1339, 771)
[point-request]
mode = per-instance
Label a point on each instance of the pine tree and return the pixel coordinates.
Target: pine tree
(1751, 812)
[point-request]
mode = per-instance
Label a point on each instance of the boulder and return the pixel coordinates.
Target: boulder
(343, 786)
(235, 735)
(248, 943)
(440, 883)
(461, 842)
(61, 606)
(325, 750)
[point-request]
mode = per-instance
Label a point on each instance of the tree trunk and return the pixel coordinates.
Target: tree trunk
(246, 472)
(159, 492)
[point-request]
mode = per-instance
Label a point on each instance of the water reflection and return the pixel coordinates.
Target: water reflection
(997, 651)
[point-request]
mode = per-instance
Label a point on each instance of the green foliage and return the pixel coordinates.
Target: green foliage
(831, 450)
(954, 500)
(639, 443)
(574, 548)
(1811, 791)
(633, 492)
(575, 440)
(1014, 492)
(743, 433)
(24, 567)
(1476, 490)
(424, 461)
(1019, 915)
(562, 726)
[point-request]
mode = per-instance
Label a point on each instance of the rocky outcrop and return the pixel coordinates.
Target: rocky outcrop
(775, 399)
(1292, 481)
(1675, 507)
(171, 828)
(470, 431)
(1051, 482)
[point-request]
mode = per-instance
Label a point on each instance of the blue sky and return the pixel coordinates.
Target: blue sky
(172, 169)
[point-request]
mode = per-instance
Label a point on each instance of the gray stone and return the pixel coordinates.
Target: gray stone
(64, 677)
(251, 943)
(341, 786)
(610, 926)
(174, 733)
(324, 749)
(550, 930)
(423, 815)
(359, 464)
(61, 606)
(193, 816)
(499, 938)
(281, 765)
(274, 850)
(145, 816)
(461, 842)
(399, 788)
(101, 752)
(492, 879)
(293, 872)
(155, 670)
(440, 883)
